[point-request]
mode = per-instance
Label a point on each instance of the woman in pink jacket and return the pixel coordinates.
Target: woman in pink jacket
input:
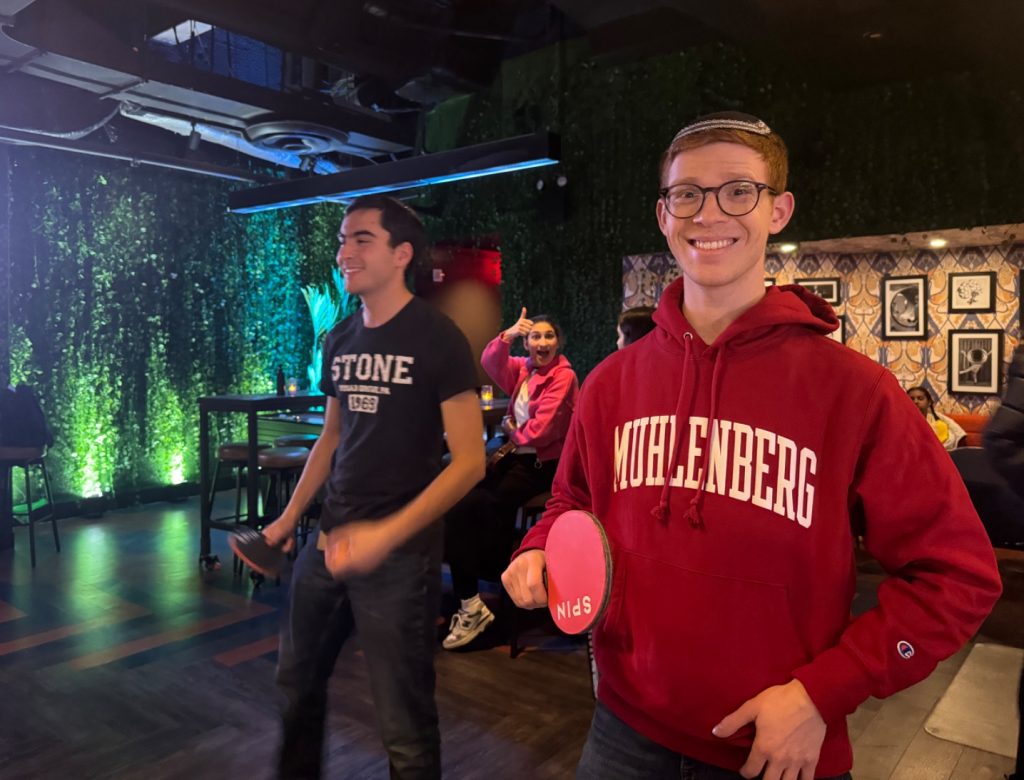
(479, 529)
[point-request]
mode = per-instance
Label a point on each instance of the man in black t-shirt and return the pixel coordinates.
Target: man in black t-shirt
(399, 377)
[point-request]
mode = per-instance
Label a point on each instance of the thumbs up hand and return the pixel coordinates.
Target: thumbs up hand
(521, 328)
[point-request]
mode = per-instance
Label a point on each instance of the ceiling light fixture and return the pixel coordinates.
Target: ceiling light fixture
(788, 249)
(471, 162)
(937, 243)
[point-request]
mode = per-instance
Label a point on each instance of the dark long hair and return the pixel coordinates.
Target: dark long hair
(636, 323)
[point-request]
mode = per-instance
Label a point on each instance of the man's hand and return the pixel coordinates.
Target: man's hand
(358, 548)
(521, 328)
(280, 533)
(524, 580)
(789, 732)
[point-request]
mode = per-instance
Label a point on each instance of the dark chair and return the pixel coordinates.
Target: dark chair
(283, 466)
(528, 514)
(1001, 510)
(27, 458)
(306, 440)
(235, 456)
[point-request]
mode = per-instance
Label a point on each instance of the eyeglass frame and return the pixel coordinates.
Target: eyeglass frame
(705, 191)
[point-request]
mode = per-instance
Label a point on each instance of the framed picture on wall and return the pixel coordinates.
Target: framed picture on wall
(972, 292)
(904, 307)
(823, 288)
(975, 361)
(839, 334)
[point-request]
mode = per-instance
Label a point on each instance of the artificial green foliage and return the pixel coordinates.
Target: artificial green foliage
(327, 307)
(133, 294)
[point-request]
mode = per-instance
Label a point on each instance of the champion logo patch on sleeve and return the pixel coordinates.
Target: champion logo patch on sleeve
(905, 649)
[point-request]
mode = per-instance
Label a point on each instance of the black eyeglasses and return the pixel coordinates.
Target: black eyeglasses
(735, 198)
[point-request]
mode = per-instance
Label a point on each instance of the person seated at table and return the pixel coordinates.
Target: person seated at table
(946, 428)
(479, 529)
(634, 324)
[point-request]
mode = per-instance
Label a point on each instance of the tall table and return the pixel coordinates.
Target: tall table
(492, 413)
(251, 406)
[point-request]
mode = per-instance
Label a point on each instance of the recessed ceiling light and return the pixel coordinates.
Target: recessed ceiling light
(787, 248)
(937, 243)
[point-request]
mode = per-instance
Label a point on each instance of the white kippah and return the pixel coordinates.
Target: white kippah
(726, 120)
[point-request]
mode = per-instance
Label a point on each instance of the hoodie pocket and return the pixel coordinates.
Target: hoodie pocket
(691, 647)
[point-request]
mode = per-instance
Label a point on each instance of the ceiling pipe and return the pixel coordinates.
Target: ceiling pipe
(160, 161)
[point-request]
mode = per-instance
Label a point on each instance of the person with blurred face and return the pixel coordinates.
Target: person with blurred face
(479, 530)
(726, 454)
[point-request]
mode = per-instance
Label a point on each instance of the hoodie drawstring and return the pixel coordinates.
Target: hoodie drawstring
(693, 511)
(660, 512)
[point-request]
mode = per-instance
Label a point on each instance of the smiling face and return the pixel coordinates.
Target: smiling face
(713, 249)
(366, 259)
(542, 343)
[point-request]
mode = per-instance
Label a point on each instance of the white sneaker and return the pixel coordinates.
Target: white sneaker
(467, 626)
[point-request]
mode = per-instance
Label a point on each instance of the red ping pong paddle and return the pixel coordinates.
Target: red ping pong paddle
(579, 571)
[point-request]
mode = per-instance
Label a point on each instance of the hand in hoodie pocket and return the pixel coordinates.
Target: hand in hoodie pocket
(702, 649)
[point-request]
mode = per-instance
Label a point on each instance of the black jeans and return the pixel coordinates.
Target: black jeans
(394, 609)
(1018, 773)
(614, 751)
(479, 530)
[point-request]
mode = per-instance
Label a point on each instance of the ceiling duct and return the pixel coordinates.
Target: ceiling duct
(298, 138)
(232, 139)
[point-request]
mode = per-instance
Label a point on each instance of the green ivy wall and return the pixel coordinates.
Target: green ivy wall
(133, 292)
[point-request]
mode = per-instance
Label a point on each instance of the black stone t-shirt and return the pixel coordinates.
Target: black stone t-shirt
(390, 382)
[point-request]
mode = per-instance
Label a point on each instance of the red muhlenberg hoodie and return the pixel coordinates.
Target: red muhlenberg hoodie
(727, 478)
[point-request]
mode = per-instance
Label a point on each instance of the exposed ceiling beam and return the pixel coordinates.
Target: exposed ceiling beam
(508, 154)
(58, 27)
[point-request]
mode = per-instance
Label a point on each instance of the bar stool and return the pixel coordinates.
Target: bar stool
(306, 440)
(281, 465)
(234, 455)
(26, 458)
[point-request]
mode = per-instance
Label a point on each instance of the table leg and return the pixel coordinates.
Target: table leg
(6, 509)
(252, 478)
(204, 482)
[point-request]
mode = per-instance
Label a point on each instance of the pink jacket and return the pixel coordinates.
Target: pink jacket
(553, 389)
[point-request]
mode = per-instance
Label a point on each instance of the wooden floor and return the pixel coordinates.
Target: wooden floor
(119, 660)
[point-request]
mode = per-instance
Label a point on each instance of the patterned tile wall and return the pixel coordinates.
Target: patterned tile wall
(913, 362)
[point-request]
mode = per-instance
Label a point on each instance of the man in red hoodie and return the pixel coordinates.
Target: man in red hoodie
(727, 481)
